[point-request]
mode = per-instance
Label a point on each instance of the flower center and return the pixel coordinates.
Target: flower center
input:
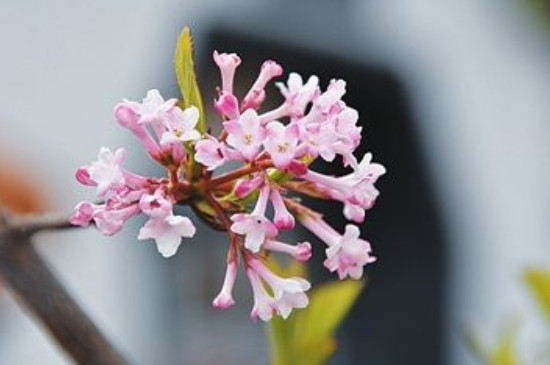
(178, 132)
(248, 138)
(282, 147)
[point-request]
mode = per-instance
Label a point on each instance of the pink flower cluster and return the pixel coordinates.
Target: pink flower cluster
(273, 159)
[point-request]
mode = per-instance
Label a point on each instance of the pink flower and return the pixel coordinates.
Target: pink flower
(227, 105)
(155, 205)
(297, 94)
(326, 104)
(246, 186)
(367, 170)
(347, 254)
(255, 226)
(354, 212)
(301, 252)
(167, 232)
(356, 188)
(181, 126)
(127, 117)
(318, 140)
(166, 228)
(256, 94)
(364, 195)
(83, 176)
(281, 143)
(331, 97)
(288, 293)
(106, 172)
(355, 204)
(246, 135)
(263, 303)
(266, 155)
(225, 299)
(84, 213)
(282, 219)
(346, 127)
(152, 111)
(110, 220)
(228, 63)
(210, 153)
(153, 108)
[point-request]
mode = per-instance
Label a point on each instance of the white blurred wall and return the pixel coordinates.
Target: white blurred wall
(479, 77)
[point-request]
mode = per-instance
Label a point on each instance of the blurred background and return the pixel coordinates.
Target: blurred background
(455, 100)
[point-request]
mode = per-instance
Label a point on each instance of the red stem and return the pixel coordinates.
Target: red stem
(233, 175)
(219, 211)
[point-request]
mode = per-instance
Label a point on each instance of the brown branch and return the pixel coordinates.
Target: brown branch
(28, 276)
(26, 226)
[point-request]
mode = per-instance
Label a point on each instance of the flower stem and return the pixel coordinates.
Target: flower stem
(243, 171)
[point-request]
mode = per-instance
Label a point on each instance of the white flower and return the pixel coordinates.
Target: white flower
(349, 255)
(255, 226)
(181, 126)
(288, 293)
(167, 232)
(153, 107)
(298, 94)
(106, 171)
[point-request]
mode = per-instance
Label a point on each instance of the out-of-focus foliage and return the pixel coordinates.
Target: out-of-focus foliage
(20, 190)
(538, 281)
(504, 352)
(307, 336)
(541, 8)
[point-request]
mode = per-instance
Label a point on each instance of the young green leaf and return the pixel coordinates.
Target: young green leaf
(504, 352)
(187, 79)
(307, 336)
(281, 331)
(281, 335)
(539, 282)
(328, 306)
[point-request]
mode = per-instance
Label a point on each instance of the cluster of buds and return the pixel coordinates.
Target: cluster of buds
(272, 162)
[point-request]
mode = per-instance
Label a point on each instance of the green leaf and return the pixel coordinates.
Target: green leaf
(291, 269)
(539, 282)
(281, 334)
(316, 353)
(281, 331)
(187, 79)
(329, 303)
(307, 336)
(504, 352)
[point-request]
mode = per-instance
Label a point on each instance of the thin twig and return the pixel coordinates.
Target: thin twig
(26, 226)
(219, 211)
(27, 275)
(24, 271)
